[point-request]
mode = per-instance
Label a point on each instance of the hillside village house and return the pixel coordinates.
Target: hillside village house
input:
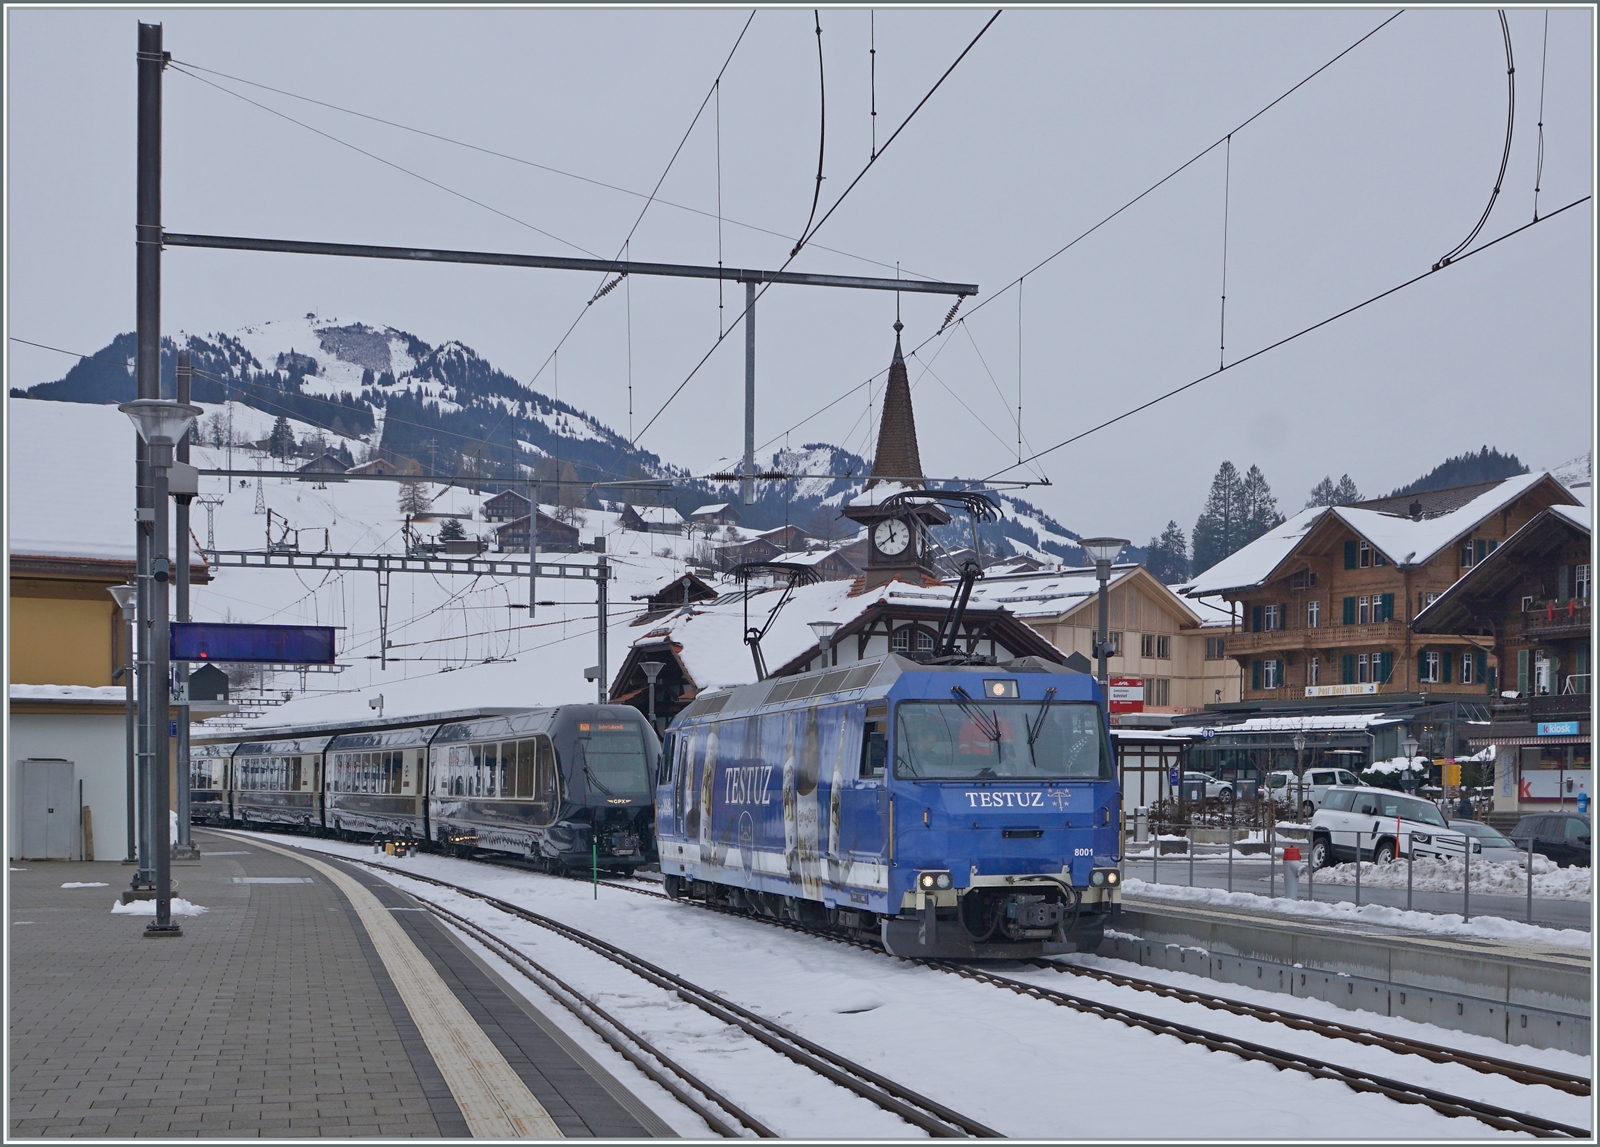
(1529, 603)
(651, 519)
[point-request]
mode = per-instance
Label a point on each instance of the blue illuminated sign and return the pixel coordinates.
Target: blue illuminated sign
(275, 644)
(1558, 728)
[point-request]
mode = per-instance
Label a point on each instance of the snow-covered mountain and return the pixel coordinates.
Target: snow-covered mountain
(364, 390)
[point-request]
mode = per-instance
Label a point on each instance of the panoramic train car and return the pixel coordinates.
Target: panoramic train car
(375, 783)
(208, 783)
(566, 787)
(276, 782)
(955, 811)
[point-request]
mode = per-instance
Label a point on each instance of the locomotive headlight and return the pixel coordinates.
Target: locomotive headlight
(1113, 877)
(943, 880)
(1097, 877)
(929, 881)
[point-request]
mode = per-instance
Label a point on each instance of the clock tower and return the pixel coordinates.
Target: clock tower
(898, 546)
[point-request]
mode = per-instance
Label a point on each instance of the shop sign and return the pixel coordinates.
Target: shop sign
(1558, 728)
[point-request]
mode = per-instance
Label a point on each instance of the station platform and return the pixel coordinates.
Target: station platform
(311, 999)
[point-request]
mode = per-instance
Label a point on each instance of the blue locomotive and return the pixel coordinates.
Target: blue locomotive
(954, 811)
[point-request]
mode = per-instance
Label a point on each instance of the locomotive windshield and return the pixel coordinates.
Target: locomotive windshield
(1004, 740)
(614, 762)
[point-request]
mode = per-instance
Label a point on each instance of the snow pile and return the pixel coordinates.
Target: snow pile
(1398, 765)
(1443, 874)
(1443, 924)
(148, 908)
(86, 884)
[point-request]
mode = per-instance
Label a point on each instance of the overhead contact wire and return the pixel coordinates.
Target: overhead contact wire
(1505, 155)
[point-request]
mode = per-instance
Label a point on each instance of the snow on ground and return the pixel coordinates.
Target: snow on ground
(1010, 1061)
(1444, 875)
(148, 908)
(1443, 924)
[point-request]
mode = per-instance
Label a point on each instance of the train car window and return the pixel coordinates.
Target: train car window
(526, 753)
(875, 742)
(1001, 740)
(547, 786)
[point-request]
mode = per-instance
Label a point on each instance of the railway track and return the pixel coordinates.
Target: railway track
(1331, 1029)
(1359, 1080)
(1487, 1064)
(919, 1110)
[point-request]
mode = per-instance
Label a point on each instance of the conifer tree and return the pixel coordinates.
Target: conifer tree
(281, 444)
(1327, 493)
(1167, 557)
(414, 498)
(1217, 530)
(1259, 508)
(452, 530)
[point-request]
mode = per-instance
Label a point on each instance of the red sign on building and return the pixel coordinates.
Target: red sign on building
(1126, 694)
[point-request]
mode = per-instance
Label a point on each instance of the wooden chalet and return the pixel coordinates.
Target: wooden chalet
(1528, 604)
(1325, 601)
(506, 506)
(554, 535)
(651, 519)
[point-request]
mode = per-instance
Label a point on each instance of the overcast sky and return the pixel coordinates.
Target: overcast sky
(1356, 182)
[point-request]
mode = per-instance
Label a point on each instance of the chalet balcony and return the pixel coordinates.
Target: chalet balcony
(1556, 619)
(1383, 633)
(1556, 707)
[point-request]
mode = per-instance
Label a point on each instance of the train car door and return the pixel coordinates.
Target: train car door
(864, 800)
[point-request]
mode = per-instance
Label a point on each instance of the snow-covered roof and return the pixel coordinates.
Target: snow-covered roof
(1256, 561)
(658, 515)
(707, 511)
(804, 557)
(1332, 722)
(103, 694)
(877, 492)
(1577, 515)
(712, 633)
(1400, 538)
(1045, 593)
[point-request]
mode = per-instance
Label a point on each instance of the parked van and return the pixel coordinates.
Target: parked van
(1284, 788)
(1379, 825)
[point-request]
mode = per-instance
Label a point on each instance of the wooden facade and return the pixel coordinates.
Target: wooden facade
(1334, 616)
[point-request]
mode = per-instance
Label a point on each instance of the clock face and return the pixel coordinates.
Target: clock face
(892, 536)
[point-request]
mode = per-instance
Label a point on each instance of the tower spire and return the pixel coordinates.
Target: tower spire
(897, 455)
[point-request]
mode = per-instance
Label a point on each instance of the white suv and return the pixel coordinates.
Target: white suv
(1380, 824)
(1284, 787)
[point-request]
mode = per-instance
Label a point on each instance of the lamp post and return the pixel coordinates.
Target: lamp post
(1299, 774)
(1408, 779)
(1102, 551)
(161, 424)
(825, 631)
(124, 596)
(652, 670)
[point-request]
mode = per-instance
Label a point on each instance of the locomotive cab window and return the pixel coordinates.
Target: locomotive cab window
(1001, 740)
(613, 760)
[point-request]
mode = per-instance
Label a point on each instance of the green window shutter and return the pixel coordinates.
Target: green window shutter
(1255, 622)
(1388, 607)
(1494, 681)
(1349, 611)
(1563, 583)
(1480, 662)
(1447, 659)
(1524, 656)
(1347, 669)
(1385, 666)
(1422, 665)
(1255, 675)
(1492, 545)
(1480, 550)
(1349, 555)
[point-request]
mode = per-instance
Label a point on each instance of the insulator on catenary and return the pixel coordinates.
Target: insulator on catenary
(951, 313)
(607, 289)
